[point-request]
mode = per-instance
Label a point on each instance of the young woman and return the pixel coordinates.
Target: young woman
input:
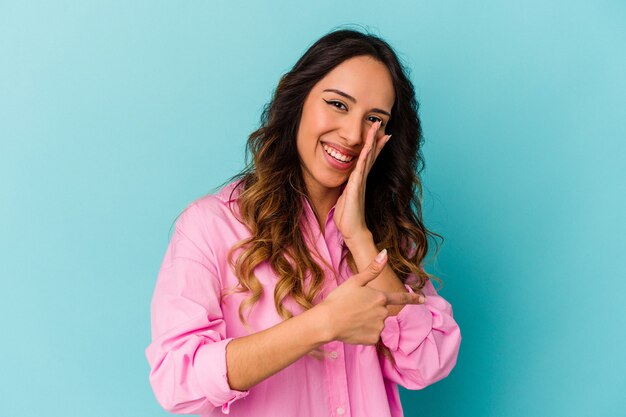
(333, 323)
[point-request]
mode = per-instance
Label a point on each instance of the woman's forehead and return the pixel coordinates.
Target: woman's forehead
(364, 78)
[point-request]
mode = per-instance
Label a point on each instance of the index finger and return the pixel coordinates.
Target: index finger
(372, 140)
(401, 298)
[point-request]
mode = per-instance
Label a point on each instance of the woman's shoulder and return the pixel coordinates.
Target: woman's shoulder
(212, 216)
(221, 204)
(224, 195)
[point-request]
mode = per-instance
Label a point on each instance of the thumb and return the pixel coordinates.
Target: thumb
(373, 269)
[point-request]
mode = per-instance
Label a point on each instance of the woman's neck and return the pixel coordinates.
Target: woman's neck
(322, 201)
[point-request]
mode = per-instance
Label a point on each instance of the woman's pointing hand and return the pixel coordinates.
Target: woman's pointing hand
(356, 313)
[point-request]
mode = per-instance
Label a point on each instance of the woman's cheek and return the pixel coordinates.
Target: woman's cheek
(327, 119)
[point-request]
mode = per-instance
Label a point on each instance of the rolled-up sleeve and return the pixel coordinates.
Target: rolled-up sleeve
(187, 355)
(424, 340)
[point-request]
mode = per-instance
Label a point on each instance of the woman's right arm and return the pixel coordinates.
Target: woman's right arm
(253, 358)
(351, 313)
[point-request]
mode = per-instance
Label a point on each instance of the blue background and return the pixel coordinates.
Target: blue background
(115, 115)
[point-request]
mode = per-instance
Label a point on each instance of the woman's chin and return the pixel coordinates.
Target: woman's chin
(335, 182)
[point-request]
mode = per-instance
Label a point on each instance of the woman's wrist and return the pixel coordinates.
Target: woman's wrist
(359, 241)
(320, 320)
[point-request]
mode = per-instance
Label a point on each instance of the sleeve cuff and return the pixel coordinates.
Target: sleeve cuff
(408, 329)
(210, 365)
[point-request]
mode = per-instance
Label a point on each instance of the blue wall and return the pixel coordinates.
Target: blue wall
(115, 115)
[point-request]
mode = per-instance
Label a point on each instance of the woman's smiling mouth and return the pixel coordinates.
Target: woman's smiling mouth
(336, 154)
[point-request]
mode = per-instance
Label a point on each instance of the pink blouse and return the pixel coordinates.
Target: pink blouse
(191, 326)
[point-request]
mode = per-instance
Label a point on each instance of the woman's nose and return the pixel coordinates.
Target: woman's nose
(353, 131)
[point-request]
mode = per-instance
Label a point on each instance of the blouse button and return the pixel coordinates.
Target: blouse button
(340, 410)
(334, 355)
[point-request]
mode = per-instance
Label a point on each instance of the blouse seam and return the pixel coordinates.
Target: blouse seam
(184, 258)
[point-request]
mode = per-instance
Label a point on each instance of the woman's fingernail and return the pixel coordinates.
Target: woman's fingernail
(381, 256)
(388, 137)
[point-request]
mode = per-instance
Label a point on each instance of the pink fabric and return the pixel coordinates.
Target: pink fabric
(191, 327)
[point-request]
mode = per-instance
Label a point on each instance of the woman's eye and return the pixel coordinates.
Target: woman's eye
(376, 119)
(337, 104)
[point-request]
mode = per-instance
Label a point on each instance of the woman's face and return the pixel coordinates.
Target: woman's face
(337, 114)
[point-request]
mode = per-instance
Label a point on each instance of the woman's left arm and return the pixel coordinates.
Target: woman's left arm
(423, 339)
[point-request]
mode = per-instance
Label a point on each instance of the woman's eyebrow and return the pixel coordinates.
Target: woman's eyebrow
(352, 99)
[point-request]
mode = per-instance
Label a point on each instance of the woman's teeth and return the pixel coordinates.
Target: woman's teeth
(338, 156)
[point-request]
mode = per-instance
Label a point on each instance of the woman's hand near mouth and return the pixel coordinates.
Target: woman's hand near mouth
(349, 216)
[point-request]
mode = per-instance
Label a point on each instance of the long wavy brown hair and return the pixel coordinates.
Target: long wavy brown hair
(272, 185)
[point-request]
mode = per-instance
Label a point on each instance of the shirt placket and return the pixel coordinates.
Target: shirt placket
(335, 363)
(337, 379)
